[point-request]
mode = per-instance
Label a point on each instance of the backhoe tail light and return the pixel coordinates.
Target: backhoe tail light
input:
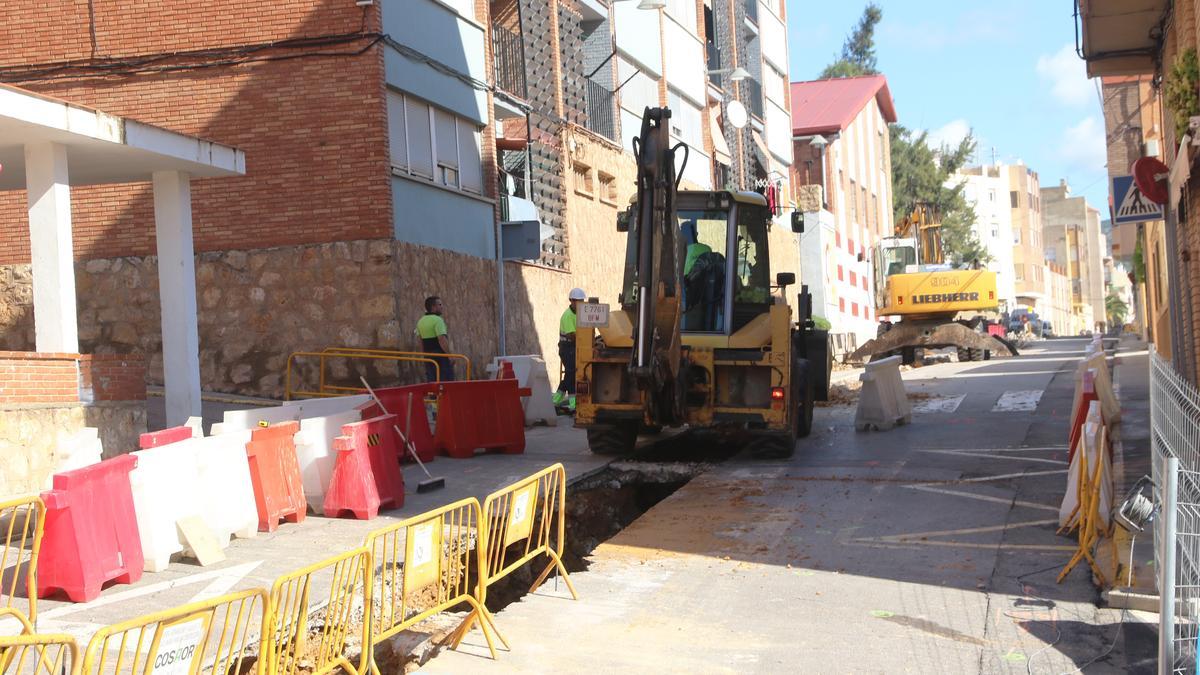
(899, 299)
(778, 394)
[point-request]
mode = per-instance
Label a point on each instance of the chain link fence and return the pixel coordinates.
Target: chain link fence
(1175, 444)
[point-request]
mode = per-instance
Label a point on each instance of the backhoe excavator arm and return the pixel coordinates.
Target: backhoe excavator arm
(656, 359)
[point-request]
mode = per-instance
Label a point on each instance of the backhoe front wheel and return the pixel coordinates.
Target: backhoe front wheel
(618, 438)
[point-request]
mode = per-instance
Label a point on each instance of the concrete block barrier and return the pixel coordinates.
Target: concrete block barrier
(164, 492)
(531, 374)
(883, 402)
(254, 418)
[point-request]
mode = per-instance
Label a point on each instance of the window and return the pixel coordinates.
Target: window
(874, 214)
(582, 174)
(992, 196)
(853, 196)
(1016, 236)
(446, 135)
(704, 240)
(854, 308)
(837, 239)
(686, 121)
(853, 278)
(1020, 272)
(840, 273)
(433, 144)
(608, 186)
(864, 206)
(1014, 199)
(842, 305)
(683, 11)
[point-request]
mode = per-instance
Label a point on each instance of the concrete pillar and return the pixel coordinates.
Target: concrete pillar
(55, 323)
(177, 294)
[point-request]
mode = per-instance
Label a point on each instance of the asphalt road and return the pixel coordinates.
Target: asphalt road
(928, 548)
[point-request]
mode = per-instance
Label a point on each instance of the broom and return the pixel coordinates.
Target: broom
(426, 485)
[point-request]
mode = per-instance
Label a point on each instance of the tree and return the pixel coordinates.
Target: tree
(858, 52)
(919, 176)
(1115, 308)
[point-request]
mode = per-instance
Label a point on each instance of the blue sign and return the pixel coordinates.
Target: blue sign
(1131, 205)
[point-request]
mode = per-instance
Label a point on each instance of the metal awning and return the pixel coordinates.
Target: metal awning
(1120, 37)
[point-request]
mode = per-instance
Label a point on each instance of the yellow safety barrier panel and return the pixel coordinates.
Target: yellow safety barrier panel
(324, 389)
(288, 645)
(39, 654)
(525, 520)
(428, 564)
(22, 521)
(207, 636)
(344, 351)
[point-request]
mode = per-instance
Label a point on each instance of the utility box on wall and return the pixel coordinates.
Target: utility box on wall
(521, 239)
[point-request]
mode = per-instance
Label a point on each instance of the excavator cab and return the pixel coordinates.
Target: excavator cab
(726, 268)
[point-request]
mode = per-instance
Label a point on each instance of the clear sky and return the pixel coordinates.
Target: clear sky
(1006, 69)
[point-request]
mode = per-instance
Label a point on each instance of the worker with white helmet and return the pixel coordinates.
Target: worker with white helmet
(566, 350)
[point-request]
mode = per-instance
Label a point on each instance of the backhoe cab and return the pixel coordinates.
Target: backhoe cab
(702, 337)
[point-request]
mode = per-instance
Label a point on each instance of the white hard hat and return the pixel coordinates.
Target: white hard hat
(577, 294)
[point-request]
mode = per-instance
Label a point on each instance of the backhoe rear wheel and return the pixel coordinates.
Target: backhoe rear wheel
(618, 438)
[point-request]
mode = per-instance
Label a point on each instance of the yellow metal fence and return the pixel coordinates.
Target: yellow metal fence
(22, 521)
(402, 575)
(294, 388)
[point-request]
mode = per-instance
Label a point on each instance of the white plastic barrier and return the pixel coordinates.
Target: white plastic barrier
(315, 453)
(1092, 445)
(75, 451)
(242, 420)
(163, 493)
(223, 476)
(320, 407)
(251, 418)
(883, 402)
(531, 372)
(196, 424)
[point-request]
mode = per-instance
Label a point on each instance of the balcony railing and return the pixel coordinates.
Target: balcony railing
(508, 55)
(753, 96)
(601, 110)
(752, 11)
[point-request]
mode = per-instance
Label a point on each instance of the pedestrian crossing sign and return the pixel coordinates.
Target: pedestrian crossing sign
(1131, 205)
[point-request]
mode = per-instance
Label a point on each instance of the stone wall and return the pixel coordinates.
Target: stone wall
(258, 306)
(29, 438)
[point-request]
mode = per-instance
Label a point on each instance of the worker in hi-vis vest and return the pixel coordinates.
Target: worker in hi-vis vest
(566, 350)
(431, 329)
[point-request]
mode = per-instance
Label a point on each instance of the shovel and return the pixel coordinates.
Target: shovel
(431, 483)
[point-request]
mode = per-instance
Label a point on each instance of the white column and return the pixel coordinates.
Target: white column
(55, 324)
(177, 295)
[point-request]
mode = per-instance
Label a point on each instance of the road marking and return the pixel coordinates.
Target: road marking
(964, 530)
(938, 404)
(983, 498)
(988, 455)
(240, 571)
(1003, 476)
(226, 582)
(1018, 401)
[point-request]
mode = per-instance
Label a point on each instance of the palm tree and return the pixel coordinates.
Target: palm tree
(1116, 309)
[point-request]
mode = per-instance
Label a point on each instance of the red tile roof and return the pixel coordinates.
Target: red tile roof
(827, 106)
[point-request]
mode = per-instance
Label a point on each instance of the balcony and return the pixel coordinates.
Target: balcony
(752, 97)
(714, 62)
(508, 55)
(601, 110)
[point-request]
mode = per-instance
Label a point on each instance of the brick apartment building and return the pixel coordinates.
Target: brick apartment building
(387, 145)
(1132, 50)
(842, 173)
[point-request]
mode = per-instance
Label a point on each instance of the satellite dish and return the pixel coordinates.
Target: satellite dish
(1151, 178)
(735, 112)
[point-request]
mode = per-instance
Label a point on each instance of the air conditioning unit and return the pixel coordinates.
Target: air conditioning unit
(1151, 148)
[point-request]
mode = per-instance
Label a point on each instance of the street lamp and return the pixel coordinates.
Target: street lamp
(735, 74)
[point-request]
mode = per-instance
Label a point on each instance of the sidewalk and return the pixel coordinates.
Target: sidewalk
(1132, 460)
(258, 561)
